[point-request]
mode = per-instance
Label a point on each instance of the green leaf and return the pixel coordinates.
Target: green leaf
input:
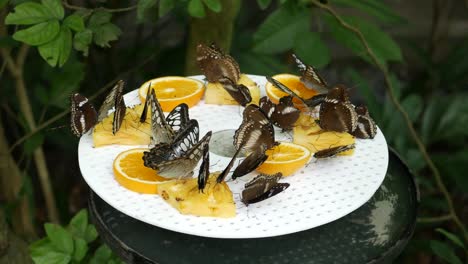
(196, 8)
(57, 51)
(263, 4)
(276, 33)
(52, 257)
(27, 14)
(106, 33)
(81, 248)
(102, 255)
(78, 224)
(82, 40)
(444, 252)
(369, 95)
(374, 8)
(213, 5)
(54, 7)
(99, 18)
(452, 166)
(165, 6)
(415, 159)
(32, 143)
(413, 104)
(74, 22)
(142, 8)
(310, 48)
(38, 34)
(91, 234)
(60, 238)
(452, 237)
(382, 45)
(3, 3)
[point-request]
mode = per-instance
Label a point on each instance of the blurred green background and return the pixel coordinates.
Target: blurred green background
(51, 48)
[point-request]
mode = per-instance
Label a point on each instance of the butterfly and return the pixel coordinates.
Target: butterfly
(239, 92)
(262, 187)
(310, 102)
(283, 114)
(255, 135)
(310, 77)
(164, 129)
(215, 64)
(204, 171)
(366, 127)
(331, 152)
(179, 158)
(336, 112)
(84, 116)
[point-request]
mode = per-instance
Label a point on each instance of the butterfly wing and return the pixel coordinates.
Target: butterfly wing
(186, 139)
(337, 113)
(331, 152)
(119, 114)
(215, 64)
(178, 118)
(204, 171)
(110, 100)
(260, 185)
(310, 77)
(83, 114)
(366, 127)
(255, 130)
(279, 187)
(238, 92)
(144, 113)
(250, 163)
(285, 114)
(161, 131)
(285, 89)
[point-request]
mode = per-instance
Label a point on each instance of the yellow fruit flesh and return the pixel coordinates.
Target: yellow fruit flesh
(216, 200)
(216, 94)
(309, 134)
(132, 132)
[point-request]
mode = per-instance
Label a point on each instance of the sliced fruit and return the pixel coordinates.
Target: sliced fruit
(131, 132)
(309, 134)
(173, 90)
(286, 158)
(216, 200)
(294, 83)
(216, 94)
(130, 172)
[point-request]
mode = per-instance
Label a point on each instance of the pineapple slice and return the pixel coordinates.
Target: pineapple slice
(309, 134)
(216, 94)
(132, 132)
(216, 199)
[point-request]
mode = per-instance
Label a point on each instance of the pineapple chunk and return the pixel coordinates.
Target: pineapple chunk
(216, 199)
(216, 94)
(132, 132)
(309, 134)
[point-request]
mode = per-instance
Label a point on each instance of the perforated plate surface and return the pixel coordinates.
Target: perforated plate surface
(321, 192)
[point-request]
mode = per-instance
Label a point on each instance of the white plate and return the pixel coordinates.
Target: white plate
(321, 192)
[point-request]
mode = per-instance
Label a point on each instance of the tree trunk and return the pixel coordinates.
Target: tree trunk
(13, 250)
(214, 27)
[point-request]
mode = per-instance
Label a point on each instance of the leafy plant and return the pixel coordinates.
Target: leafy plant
(71, 244)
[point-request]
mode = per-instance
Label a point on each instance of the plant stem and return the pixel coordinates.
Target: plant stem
(110, 10)
(409, 124)
(436, 219)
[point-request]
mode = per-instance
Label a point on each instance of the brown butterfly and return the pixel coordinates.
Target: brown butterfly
(84, 116)
(336, 112)
(331, 152)
(310, 77)
(283, 114)
(262, 187)
(215, 64)
(310, 102)
(238, 92)
(366, 127)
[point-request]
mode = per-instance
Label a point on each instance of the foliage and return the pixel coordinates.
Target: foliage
(80, 45)
(71, 244)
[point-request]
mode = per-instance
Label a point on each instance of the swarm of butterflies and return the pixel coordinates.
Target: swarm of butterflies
(176, 148)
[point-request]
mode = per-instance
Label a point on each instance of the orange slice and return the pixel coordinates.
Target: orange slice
(130, 172)
(294, 83)
(286, 158)
(173, 90)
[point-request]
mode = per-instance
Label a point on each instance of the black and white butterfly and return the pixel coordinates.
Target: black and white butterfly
(164, 129)
(336, 112)
(366, 127)
(331, 152)
(309, 102)
(179, 158)
(262, 187)
(204, 172)
(238, 92)
(215, 64)
(255, 135)
(84, 116)
(310, 78)
(283, 114)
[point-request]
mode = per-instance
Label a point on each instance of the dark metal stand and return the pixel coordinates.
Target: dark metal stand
(377, 232)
